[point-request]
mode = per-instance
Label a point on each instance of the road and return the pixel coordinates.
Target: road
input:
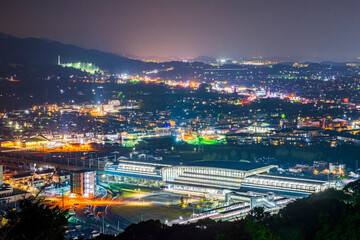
(101, 207)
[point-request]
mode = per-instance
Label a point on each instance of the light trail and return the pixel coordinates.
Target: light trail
(79, 201)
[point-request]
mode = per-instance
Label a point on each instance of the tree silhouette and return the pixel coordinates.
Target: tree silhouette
(34, 221)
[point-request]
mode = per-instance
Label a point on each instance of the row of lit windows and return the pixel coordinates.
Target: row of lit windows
(209, 182)
(215, 171)
(136, 168)
(283, 184)
(212, 177)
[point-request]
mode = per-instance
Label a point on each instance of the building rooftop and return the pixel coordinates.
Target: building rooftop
(236, 165)
(36, 139)
(83, 171)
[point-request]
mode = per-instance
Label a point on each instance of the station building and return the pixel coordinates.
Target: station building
(135, 173)
(214, 181)
(38, 141)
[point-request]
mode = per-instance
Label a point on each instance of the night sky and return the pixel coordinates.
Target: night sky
(312, 29)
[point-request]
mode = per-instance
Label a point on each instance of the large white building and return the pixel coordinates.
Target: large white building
(209, 180)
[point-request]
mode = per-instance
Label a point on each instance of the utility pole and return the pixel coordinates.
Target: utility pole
(103, 223)
(62, 196)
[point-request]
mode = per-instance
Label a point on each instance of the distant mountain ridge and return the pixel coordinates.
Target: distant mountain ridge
(204, 59)
(44, 51)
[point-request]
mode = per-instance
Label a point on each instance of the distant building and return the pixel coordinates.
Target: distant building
(114, 102)
(34, 179)
(38, 141)
(7, 192)
(83, 183)
(337, 168)
(7, 144)
(61, 178)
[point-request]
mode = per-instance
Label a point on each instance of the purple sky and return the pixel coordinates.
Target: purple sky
(326, 29)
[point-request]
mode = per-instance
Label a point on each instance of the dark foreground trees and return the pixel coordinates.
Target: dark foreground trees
(34, 221)
(331, 214)
(202, 230)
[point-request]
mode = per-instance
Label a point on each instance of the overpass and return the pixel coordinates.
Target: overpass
(70, 164)
(240, 209)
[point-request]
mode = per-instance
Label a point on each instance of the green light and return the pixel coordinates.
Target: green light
(129, 143)
(87, 67)
(202, 141)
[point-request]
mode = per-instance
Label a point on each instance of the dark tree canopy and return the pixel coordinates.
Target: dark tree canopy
(35, 221)
(331, 214)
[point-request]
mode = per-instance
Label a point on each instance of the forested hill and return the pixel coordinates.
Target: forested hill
(45, 52)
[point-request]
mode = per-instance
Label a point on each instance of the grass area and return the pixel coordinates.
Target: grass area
(127, 190)
(133, 213)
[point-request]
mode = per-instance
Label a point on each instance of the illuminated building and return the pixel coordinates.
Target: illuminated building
(300, 65)
(34, 179)
(337, 168)
(37, 141)
(210, 180)
(136, 173)
(62, 178)
(83, 183)
(7, 144)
